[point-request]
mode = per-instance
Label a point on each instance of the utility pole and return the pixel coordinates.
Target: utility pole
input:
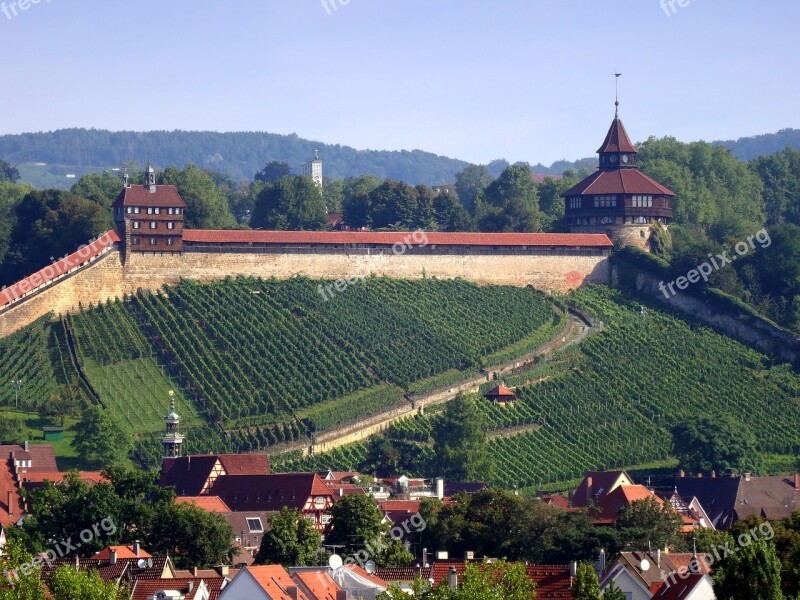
(17, 384)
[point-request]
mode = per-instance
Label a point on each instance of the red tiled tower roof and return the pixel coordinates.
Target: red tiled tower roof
(617, 139)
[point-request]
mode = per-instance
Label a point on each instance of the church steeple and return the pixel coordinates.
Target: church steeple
(172, 440)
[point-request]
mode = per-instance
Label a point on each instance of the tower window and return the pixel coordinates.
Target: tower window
(136, 224)
(129, 210)
(170, 225)
(170, 211)
(152, 241)
(157, 210)
(135, 240)
(574, 202)
(169, 241)
(136, 210)
(153, 224)
(605, 201)
(177, 211)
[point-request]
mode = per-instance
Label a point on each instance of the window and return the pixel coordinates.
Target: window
(136, 210)
(170, 211)
(135, 241)
(640, 220)
(152, 241)
(157, 210)
(170, 225)
(254, 524)
(149, 210)
(177, 211)
(605, 201)
(130, 209)
(640, 201)
(136, 224)
(169, 241)
(606, 220)
(574, 202)
(153, 225)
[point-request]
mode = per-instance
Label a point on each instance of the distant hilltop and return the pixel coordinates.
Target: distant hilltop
(46, 159)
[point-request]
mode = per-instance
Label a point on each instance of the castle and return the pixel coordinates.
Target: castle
(151, 248)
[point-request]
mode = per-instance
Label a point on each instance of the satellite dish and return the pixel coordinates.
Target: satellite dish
(645, 564)
(369, 566)
(335, 561)
(141, 563)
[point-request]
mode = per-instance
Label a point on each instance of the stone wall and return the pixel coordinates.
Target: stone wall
(108, 278)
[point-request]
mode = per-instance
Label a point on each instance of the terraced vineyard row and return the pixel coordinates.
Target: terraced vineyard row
(259, 351)
(611, 401)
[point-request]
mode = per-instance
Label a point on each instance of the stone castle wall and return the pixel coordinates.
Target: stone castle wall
(109, 278)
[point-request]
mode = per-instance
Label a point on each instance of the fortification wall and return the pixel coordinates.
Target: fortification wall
(109, 278)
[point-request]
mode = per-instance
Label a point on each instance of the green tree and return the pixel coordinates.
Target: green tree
(586, 585)
(291, 203)
(450, 215)
(753, 571)
(12, 430)
(10, 196)
(612, 592)
(19, 583)
(66, 402)
(511, 203)
(780, 176)
(68, 582)
(646, 522)
(393, 204)
(355, 522)
(206, 205)
(273, 171)
(491, 581)
(291, 540)
(100, 438)
(8, 172)
(460, 442)
(101, 188)
(720, 443)
(471, 182)
(192, 536)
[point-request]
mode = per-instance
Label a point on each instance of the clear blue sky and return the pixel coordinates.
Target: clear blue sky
(473, 79)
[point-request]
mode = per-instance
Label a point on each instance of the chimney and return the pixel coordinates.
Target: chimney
(112, 557)
(699, 475)
(747, 475)
(713, 474)
(797, 481)
(440, 488)
(194, 571)
(10, 504)
(26, 445)
(658, 557)
(682, 473)
(191, 587)
(341, 492)
(573, 568)
(76, 561)
(588, 488)
(224, 570)
(452, 579)
(293, 592)
(424, 557)
(136, 547)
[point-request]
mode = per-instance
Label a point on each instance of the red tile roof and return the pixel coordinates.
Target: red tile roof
(140, 195)
(500, 391)
(144, 589)
(618, 181)
(406, 505)
(245, 464)
(608, 507)
(59, 268)
(122, 552)
(552, 581)
(10, 512)
(269, 492)
(317, 583)
(213, 504)
(273, 579)
(384, 238)
(617, 139)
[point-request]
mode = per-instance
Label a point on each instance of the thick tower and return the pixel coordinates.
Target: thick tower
(618, 199)
(173, 439)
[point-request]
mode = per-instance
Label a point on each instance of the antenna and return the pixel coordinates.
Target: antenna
(335, 562)
(616, 94)
(369, 566)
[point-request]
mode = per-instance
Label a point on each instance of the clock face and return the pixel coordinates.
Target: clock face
(613, 158)
(625, 158)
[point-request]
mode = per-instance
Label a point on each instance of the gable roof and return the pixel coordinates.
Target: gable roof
(245, 464)
(269, 492)
(144, 589)
(618, 181)
(500, 391)
(596, 484)
(682, 587)
(273, 579)
(140, 195)
(716, 494)
(187, 474)
(617, 139)
(317, 584)
(552, 581)
(767, 497)
(42, 457)
(10, 511)
(390, 238)
(122, 552)
(213, 504)
(608, 507)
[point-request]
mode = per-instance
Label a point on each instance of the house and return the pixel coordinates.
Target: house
(114, 569)
(501, 395)
(305, 492)
(691, 511)
(645, 575)
(597, 484)
(729, 499)
(213, 504)
(608, 507)
(552, 581)
(268, 582)
(122, 552)
(179, 588)
(195, 475)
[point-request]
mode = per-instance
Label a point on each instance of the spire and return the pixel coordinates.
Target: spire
(616, 95)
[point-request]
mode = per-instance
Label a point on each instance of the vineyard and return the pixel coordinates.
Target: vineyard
(611, 401)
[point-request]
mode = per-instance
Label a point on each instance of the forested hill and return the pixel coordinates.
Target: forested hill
(748, 148)
(239, 154)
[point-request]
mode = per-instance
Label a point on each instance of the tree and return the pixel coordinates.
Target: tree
(19, 583)
(291, 203)
(449, 214)
(273, 171)
(206, 205)
(192, 536)
(470, 182)
(393, 204)
(8, 172)
(586, 585)
(12, 431)
(612, 592)
(460, 442)
(68, 582)
(100, 438)
(720, 443)
(511, 203)
(101, 188)
(66, 402)
(355, 522)
(491, 581)
(291, 540)
(647, 521)
(753, 571)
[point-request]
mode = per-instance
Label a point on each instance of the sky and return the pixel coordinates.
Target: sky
(524, 80)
